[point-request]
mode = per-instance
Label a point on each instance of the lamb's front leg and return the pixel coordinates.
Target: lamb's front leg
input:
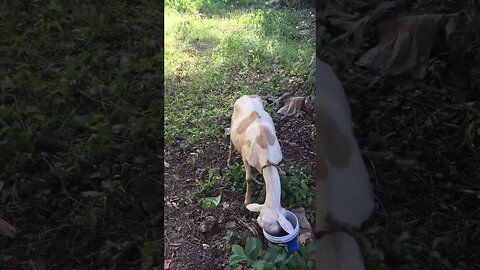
(249, 180)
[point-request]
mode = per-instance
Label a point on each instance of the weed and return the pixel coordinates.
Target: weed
(236, 174)
(296, 189)
(186, 6)
(296, 186)
(211, 202)
(472, 132)
(204, 188)
(275, 257)
(147, 252)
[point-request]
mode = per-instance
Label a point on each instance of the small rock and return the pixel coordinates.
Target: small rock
(172, 204)
(302, 219)
(304, 238)
(208, 224)
(231, 225)
(118, 128)
(95, 175)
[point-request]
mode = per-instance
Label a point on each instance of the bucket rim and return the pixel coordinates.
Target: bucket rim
(287, 238)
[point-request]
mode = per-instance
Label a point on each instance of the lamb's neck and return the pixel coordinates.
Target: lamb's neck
(273, 187)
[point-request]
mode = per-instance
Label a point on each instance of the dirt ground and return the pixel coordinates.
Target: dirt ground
(185, 244)
(422, 171)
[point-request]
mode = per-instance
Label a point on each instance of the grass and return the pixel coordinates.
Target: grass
(211, 60)
(472, 131)
(80, 95)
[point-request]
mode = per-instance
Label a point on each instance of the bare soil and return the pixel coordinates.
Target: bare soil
(185, 244)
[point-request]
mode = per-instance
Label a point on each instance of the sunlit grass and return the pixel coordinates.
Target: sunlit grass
(205, 54)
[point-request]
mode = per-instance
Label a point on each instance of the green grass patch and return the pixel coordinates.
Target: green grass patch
(85, 75)
(70, 81)
(472, 131)
(210, 60)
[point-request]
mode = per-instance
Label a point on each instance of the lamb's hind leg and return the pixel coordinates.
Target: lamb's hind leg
(230, 151)
(249, 180)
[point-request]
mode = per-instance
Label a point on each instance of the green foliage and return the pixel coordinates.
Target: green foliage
(147, 252)
(296, 190)
(214, 177)
(322, 36)
(275, 257)
(185, 6)
(236, 174)
(211, 202)
(296, 186)
(472, 132)
(205, 188)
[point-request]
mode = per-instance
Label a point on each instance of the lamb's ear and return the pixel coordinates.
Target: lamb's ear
(254, 207)
(285, 224)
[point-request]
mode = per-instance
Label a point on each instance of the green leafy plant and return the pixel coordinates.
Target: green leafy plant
(214, 177)
(147, 252)
(296, 191)
(211, 202)
(472, 132)
(185, 6)
(236, 173)
(275, 257)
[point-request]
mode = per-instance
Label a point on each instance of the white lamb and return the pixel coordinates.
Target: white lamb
(253, 136)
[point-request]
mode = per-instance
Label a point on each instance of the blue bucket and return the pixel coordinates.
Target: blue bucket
(289, 240)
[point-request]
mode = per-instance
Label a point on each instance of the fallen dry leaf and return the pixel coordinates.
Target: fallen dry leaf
(357, 29)
(352, 25)
(294, 105)
(302, 219)
(7, 229)
(405, 44)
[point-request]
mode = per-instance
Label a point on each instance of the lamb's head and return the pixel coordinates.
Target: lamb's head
(271, 220)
